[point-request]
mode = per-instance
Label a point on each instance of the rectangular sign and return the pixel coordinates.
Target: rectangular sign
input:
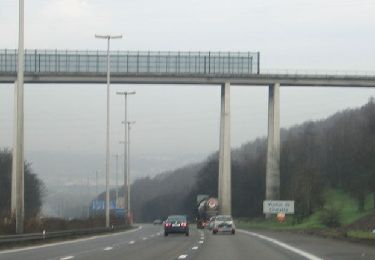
(100, 205)
(278, 206)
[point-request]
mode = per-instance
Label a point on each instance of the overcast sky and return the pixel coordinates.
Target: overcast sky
(174, 121)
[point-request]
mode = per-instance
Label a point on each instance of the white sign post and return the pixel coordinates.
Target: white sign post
(278, 206)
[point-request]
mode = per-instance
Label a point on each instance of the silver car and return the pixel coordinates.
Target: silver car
(224, 223)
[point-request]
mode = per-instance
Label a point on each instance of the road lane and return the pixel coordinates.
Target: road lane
(323, 247)
(149, 243)
(71, 248)
(159, 247)
(240, 246)
(280, 245)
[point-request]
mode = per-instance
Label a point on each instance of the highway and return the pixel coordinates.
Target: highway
(148, 242)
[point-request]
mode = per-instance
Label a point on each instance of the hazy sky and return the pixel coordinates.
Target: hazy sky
(174, 121)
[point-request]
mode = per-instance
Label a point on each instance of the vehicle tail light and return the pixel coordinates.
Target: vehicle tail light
(183, 224)
(168, 224)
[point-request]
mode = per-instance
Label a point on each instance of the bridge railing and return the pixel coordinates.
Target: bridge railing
(322, 73)
(133, 62)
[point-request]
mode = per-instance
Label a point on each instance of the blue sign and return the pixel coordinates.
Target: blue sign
(100, 205)
(120, 212)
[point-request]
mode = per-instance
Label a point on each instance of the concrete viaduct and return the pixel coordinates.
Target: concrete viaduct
(205, 68)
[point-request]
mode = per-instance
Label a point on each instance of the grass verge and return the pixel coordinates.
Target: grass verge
(349, 214)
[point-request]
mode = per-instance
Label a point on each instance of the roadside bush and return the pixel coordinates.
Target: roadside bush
(330, 217)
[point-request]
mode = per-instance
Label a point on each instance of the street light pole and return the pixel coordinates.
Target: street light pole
(126, 186)
(108, 38)
(128, 170)
(116, 180)
(96, 184)
(17, 202)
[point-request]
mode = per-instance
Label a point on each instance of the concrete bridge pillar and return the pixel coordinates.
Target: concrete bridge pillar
(273, 144)
(224, 191)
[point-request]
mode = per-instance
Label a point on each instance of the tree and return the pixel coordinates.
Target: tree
(34, 187)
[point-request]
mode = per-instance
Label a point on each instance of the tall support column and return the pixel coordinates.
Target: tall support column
(17, 202)
(14, 156)
(108, 147)
(126, 181)
(273, 144)
(224, 189)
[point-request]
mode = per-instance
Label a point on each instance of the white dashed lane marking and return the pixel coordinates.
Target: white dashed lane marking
(131, 242)
(108, 248)
(144, 238)
(67, 257)
(182, 256)
(283, 245)
(200, 242)
(194, 248)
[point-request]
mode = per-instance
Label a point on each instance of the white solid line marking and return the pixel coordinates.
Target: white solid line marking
(67, 257)
(194, 248)
(182, 256)
(108, 248)
(200, 242)
(281, 244)
(68, 242)
(131, 242)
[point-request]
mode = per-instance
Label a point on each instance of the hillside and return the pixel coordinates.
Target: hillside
(334, 153)
(164, 194)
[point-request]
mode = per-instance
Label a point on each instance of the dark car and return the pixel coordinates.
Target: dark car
(176, 224)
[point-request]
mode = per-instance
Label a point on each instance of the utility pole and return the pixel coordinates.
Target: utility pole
(96, 184)
(108, 38)
(17, 202)
(88, 187)
(126, 188)
(96, 194)
(128, 170)
(116, 180)
(88, 195)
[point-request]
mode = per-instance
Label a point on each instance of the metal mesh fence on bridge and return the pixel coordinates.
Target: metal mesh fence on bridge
(133, 62)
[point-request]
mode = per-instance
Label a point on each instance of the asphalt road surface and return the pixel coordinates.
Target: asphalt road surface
(148, 242)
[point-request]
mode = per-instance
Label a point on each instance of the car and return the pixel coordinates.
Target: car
(224, 223)
(157, 222)
(176, 224)
(211, 223)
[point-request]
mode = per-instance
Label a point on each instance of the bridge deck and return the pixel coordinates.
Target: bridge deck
(239, 68)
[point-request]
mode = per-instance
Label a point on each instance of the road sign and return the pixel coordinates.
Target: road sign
(100, 204)
(277, 206)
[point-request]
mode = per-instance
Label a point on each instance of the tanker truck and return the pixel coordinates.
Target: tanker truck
(207, 207)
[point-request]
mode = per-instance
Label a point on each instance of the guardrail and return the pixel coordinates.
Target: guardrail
(32, 237)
